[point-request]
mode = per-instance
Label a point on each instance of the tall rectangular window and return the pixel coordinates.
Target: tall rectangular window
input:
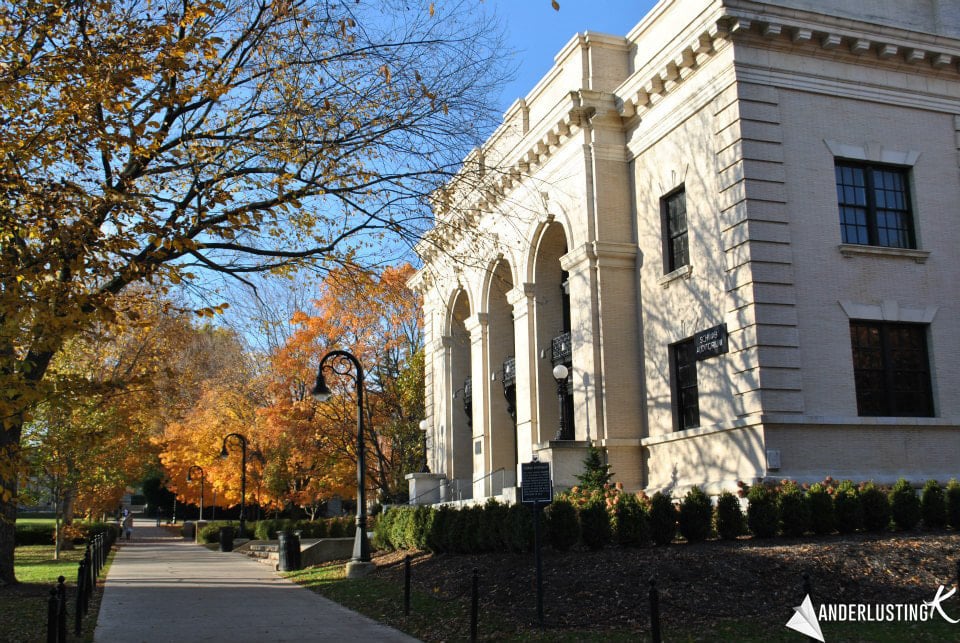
(686, 394)
(891, 369)
(676, 247)
(874, 205)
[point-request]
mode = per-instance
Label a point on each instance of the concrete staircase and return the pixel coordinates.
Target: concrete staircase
(313, 551)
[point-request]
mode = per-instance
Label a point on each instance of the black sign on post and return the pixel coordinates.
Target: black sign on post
(536, 489)
(535, 484)
(710, 342)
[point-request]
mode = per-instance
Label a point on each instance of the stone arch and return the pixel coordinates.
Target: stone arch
(552, 322)
(459, 410)
(501, 438)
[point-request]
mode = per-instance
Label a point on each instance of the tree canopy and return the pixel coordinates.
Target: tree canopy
(153, 141)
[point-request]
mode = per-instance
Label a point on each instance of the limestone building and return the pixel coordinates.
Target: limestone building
(736, 230)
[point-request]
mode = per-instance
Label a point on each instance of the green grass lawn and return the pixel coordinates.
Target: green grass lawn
(23, 608)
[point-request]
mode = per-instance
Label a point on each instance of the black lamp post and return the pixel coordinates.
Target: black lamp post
(243, 474)
(193, 468)
(339, 362)
(560, 373)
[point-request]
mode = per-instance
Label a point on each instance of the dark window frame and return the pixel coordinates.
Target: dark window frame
(873, 211)
(891, 369)
(676, 243)
(685, 385)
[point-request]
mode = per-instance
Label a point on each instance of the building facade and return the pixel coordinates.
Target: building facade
(721, 248)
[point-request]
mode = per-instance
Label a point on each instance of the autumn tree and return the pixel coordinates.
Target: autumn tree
(377, 318)
(115, 382)
(153, 141)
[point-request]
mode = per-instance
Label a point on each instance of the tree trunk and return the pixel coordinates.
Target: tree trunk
(9, 461)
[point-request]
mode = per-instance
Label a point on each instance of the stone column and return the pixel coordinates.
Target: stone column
(476, 326)
(524, 328)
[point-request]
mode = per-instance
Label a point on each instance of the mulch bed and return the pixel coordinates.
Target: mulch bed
(699, 584)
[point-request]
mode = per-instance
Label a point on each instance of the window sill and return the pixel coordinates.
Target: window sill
(853, 250)
(683, 272)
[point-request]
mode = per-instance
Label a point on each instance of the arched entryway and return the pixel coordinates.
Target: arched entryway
(460, 396)
(502, 441)
(552, 298)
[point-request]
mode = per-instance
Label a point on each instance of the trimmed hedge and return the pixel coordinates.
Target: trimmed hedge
(794, 510)
(847, 509)
(729, 516)
(563, 525)
(763, 517)
(695, 516)
(876, 507)
(663, 518)
(952, 499)
(933, 506)
(904, 505)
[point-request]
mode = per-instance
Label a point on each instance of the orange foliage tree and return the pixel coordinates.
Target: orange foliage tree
(376, 318)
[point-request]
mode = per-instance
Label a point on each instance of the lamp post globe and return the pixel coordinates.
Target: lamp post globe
(560, 373)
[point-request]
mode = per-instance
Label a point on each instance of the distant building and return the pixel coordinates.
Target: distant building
(737, 228)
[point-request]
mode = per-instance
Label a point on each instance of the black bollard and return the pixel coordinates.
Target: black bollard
(52, 610)
(654, 612)
(78, 606)
(807, 590)
(406, 585)
(61, 609)
(474, 605)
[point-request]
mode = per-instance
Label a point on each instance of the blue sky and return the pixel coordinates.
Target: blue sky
(538, 32)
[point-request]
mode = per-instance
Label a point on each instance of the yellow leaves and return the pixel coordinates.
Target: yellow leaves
(555, 5)
(211, 311)
(431, 9)
(385, 72)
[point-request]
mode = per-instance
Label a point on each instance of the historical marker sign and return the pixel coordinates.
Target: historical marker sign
(711, 342)
(535, 484)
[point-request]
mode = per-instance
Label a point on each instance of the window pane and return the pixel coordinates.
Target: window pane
(874, 205)
(891, 369)
(686, 393)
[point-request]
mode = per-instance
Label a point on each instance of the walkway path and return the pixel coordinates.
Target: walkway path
(161, 588)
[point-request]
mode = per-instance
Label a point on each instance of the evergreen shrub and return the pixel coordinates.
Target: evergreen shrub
(794, 510)
(595, 529)
(904, 505)
(517, 529)
(933, 506)
(729, 516)
(762, 515)
(562, 524)
(952, 498)
(876, 507)
(695, 515)
(34, 534)
(847, 509)
(631, 521)
(821, 509)
(663, 518)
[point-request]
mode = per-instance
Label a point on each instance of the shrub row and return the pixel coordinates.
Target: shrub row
(78, 532)
(597, 518)
(267, 529)
(828, 506)
(493, 527)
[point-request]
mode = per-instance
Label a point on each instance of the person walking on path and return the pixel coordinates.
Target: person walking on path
(162, 588)
(128, 526)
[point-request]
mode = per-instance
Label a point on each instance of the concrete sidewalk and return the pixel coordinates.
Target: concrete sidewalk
(161, 588)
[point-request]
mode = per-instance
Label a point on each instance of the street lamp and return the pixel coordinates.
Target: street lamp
(560, 373)
(193, 468)
(243, 474)
(340, 363)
